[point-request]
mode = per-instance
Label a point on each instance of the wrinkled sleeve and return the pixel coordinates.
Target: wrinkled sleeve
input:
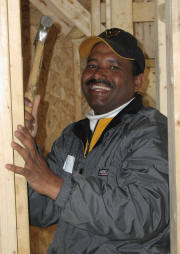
(136, 207)
(42, 210)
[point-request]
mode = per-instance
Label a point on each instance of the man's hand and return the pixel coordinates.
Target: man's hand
(36, 170)
(31, 118)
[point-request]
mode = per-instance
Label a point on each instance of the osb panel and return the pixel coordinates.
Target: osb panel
(56, 77)
(85, 107)
(56, 90)
(41, 238)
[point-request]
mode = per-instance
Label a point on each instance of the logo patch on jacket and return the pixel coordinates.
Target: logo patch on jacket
(103, 172)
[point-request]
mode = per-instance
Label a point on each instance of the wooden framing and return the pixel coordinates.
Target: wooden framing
(107, 19)
(14, 229)
(77, 79)
(7, 194)
(161, 78)
(65, 13)
(95, 17)
(122, 14)
(48, 8)
(72, 10)
(17, 100)
(143, 12)
(173, 81)
(77, 22)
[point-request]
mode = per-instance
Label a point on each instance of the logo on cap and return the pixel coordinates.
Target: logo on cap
(111, 32)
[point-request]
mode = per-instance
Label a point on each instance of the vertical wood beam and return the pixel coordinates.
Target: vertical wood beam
(173, 81)
(122, 14)
(161, 69)
(77, 79)
(95, 17)
(8, 242)
(108, 14)
(16, 73)
(14, 230)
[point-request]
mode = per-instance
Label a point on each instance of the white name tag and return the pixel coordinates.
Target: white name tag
(69, 164)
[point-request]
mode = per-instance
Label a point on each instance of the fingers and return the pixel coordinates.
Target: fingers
(29, 121)
(24, 153)
(26, 139)
(36, 106)
(27, 103)
(15, 169)
(31, 112)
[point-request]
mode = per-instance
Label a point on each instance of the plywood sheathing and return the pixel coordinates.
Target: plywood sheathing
(56, 78)
(57, 95)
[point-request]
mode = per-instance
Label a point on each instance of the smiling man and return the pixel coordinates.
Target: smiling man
(105, 182)
(108, 80)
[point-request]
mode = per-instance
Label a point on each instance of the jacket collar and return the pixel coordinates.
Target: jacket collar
(82, 128)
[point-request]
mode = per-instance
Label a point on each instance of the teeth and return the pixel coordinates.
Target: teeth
(95, 87)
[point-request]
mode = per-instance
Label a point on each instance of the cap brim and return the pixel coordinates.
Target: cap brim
(87, 44)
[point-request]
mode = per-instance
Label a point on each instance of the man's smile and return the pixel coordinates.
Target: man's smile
(99, 85)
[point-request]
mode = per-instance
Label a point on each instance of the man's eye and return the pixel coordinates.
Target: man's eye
(91, 66)
(113, 67)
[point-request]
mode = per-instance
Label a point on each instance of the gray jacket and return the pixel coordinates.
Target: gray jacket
(116, 200)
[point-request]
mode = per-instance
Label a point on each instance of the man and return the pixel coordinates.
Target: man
(105, 181)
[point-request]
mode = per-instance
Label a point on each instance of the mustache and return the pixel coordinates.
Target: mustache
(95, 81)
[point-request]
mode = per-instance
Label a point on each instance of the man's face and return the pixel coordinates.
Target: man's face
(107, 81)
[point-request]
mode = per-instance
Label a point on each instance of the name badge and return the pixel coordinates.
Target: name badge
(69, 164)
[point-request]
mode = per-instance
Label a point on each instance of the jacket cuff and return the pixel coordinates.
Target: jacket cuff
(65, 192)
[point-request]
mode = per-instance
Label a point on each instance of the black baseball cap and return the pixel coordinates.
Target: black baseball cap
(121, 42)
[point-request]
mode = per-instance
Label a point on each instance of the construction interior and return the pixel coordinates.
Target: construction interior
(154, 23)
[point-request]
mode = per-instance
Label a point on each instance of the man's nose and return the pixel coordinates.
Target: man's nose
(100, 73)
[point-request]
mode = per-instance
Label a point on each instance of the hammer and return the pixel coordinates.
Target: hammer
(30, 92)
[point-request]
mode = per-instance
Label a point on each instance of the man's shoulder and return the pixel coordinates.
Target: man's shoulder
(152, 115)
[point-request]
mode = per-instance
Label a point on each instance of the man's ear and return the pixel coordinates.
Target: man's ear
(138, 82)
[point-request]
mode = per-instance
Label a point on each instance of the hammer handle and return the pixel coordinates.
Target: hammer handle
(30, 91)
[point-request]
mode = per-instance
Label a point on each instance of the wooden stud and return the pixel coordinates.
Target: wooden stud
(173, 81)
(8, 236)
(122, 14)
(16, 71)
(160, 38)
(77, 79)
(95, 17)
(108, 14)
(14, 238)
(143, 12)
(103, 13)
(75, 33)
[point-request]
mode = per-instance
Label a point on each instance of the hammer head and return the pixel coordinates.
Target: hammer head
(45, 23)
